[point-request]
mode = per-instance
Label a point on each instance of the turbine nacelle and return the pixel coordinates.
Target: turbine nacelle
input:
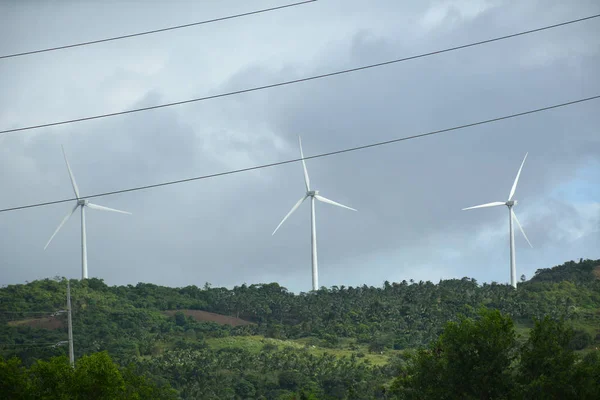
(82, 202)
(511, 203)
(312, 193)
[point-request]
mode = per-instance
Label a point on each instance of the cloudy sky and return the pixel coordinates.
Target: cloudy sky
(409, 195)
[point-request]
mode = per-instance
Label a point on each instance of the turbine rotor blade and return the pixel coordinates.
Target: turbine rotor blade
(494, 204)
(326, 200)
(520, 227)
(75, 188)
(514, 186)
(97, 207)
(290, 213)
(65, 219)
(306, 179)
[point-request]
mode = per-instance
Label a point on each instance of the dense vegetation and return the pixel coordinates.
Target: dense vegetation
(95, 377)
(329, 340)
(481, 359)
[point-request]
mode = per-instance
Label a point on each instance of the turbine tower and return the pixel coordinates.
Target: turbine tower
(510, 203)
(83, 203)
(314, 195)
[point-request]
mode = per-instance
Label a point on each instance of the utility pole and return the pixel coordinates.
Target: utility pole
(71, 353)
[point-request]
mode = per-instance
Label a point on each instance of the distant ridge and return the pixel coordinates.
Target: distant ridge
(579, 272)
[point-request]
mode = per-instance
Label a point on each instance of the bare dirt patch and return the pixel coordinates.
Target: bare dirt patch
(51, 323)
(596, 272)
(205, 316)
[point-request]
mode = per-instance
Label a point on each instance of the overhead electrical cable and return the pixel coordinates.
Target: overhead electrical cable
(171, 28)
(285, 83)
(49, 344)
(347, 150)
(26, 312)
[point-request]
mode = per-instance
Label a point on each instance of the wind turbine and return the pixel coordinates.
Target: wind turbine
(314, 195)
(510, 203)
(83, 203)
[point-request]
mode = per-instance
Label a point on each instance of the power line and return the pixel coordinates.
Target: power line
(29, 344)
(171, 28)
(27, 312)
(347, 150)
(285, 83)
(59, 312)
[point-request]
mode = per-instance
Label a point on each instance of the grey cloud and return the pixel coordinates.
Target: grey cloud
(409, 195)
(479, 155)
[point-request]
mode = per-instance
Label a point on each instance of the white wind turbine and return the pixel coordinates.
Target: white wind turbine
(313, 194)
(510, 203)
(83, 203)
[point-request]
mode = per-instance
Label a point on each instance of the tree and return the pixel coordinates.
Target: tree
(94, 377)
(13, 379)
(291, 380)
(180, 319)
(480, 359)
(52, 379)
(97, 377)
(138, 387)
(470, 360)
(546, 367)
(132, 322)
(580, 340)
(245, 389)
(587, 377)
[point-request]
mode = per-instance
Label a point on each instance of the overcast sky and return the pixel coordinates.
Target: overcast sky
(409, 195)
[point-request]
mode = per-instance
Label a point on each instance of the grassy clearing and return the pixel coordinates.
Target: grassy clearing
(256, 344)
(252, 344)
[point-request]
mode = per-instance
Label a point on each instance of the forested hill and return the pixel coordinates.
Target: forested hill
(408, 314)
(249, 326)
(581, 272)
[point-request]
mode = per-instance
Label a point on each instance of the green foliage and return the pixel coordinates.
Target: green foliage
(331, 340)
(221, 374)
(580, 340)
(470, 360)
(547, 361)
(95, 377)
(581, 272)
(13, 379)
(480, 359)
(245, 389)
(587, 376)
(291, 380)
(180, 319)
(381, 342)
(410, 315)
(324, 344)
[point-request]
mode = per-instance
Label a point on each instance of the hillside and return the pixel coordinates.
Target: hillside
(581, 272)
(205, 316)
(339, 334)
